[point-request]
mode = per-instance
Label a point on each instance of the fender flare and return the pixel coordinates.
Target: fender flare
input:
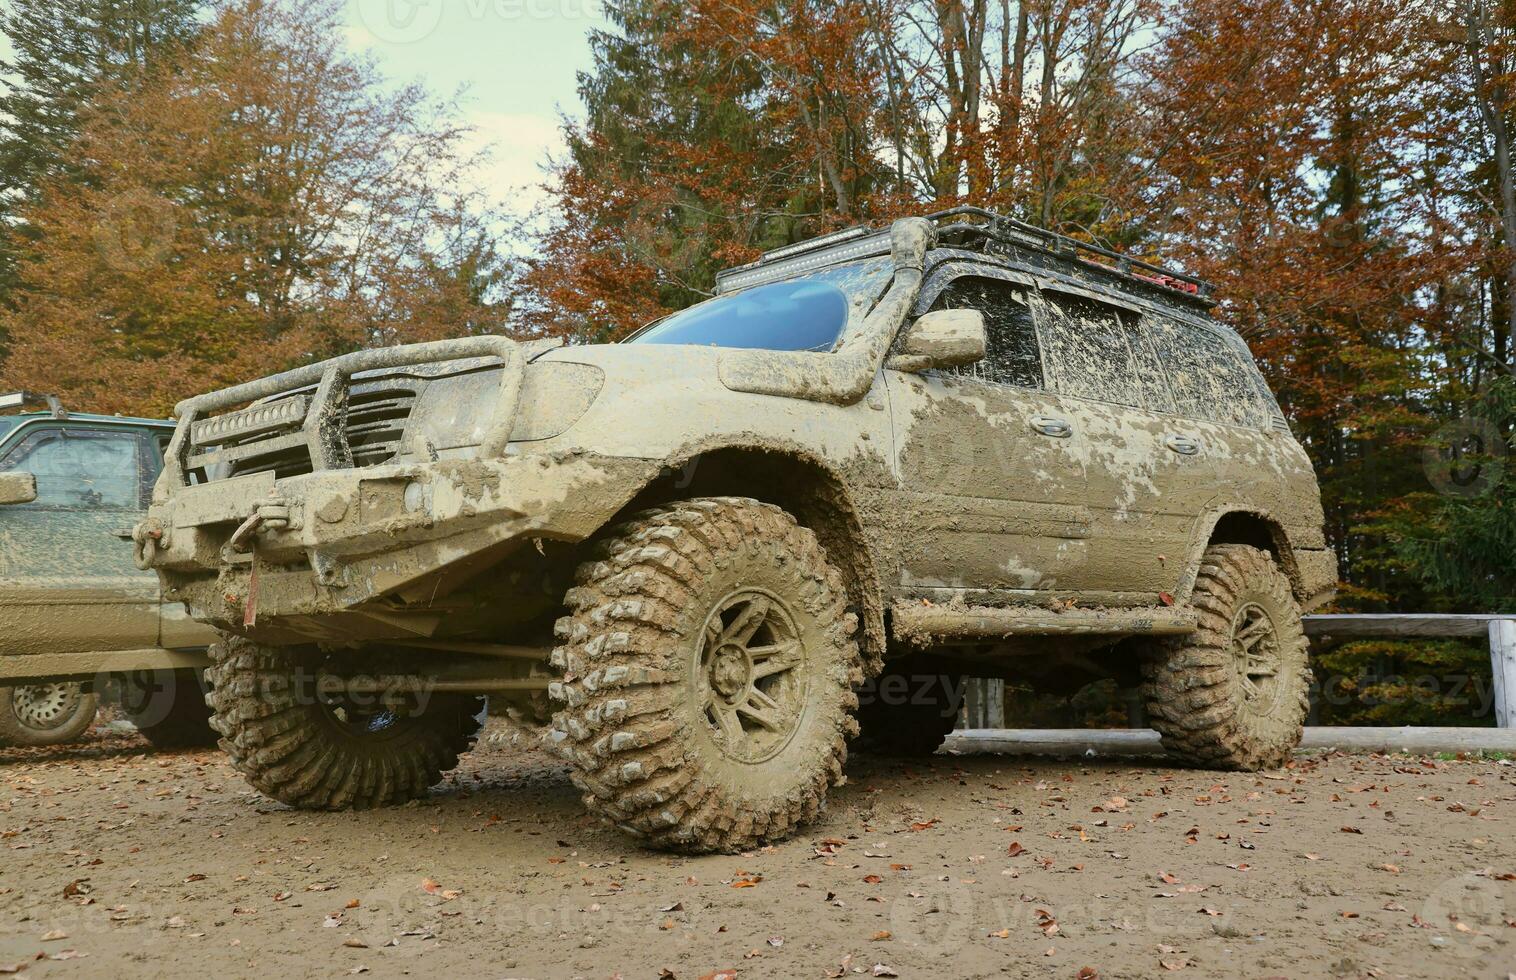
(835, 522)
(1205, 528)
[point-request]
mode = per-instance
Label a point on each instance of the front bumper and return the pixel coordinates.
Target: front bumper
(327, 533)
(344, 538)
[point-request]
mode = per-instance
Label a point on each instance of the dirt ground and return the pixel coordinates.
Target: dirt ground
(122, 862)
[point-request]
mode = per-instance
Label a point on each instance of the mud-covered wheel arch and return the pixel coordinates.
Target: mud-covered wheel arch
(1233, 694)
(811, 491)
(298, 741)
(709, 674)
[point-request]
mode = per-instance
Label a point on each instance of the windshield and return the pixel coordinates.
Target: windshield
(807, 313)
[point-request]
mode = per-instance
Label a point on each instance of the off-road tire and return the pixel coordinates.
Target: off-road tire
(1199, 696)
(74, 713)
(289, 747)
(169, 708)
(913, 728)
(640, 701)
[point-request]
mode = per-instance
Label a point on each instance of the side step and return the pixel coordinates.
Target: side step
(917, 622)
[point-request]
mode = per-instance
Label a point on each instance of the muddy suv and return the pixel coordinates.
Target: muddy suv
(79, 617)
(960, 445)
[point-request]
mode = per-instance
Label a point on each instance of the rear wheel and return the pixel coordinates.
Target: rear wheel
(168, 707)
(45, 714)
(1233, 694)
(300, 740)
(709, 667)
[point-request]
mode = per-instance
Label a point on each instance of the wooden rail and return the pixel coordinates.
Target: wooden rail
(1500, 629)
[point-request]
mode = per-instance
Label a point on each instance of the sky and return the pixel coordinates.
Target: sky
(515, 59)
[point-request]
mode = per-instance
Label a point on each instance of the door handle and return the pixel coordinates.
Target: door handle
(1050, 426)
(1183, 445)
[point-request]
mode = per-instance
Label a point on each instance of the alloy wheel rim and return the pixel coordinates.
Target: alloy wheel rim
(749, 680)
(1256, 658)
(44, 706)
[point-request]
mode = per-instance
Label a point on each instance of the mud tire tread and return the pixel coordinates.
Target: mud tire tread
(1190, 687)
(620, 649)
(288, 750)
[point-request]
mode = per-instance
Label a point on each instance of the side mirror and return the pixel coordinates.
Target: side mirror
(17, 488)
(942, 339)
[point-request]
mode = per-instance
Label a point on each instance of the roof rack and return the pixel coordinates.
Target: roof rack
(992, 228)
(999, 228)
(14, 400)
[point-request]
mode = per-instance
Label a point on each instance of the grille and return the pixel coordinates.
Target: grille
(376, 417)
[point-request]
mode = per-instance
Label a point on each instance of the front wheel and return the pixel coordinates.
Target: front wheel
(33, 715)
(300, 740)
(709, 667)
(1233, 694)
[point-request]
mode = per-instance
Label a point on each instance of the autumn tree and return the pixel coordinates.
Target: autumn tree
(63, 53)
(261, 201)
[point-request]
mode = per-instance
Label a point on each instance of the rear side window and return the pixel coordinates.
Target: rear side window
(1207, 374)
(1088, 347)
(1011, 355)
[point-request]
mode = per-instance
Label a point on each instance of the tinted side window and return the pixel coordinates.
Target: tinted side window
(80, 469)
(1088, 347)
(1011, 354)
(1206, 373)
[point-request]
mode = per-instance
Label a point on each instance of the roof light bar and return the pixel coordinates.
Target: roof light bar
(811, 244)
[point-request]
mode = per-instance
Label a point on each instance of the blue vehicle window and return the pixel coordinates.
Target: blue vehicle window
(807, 313)
(779, 316)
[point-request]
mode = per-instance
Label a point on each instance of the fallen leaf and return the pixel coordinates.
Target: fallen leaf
(880, 970)
(1002, 934)
(881, 935)
(1015, 849)
(54, 936)
(925, 824)
(1173, 964)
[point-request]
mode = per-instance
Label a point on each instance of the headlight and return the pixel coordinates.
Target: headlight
(453, 412)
